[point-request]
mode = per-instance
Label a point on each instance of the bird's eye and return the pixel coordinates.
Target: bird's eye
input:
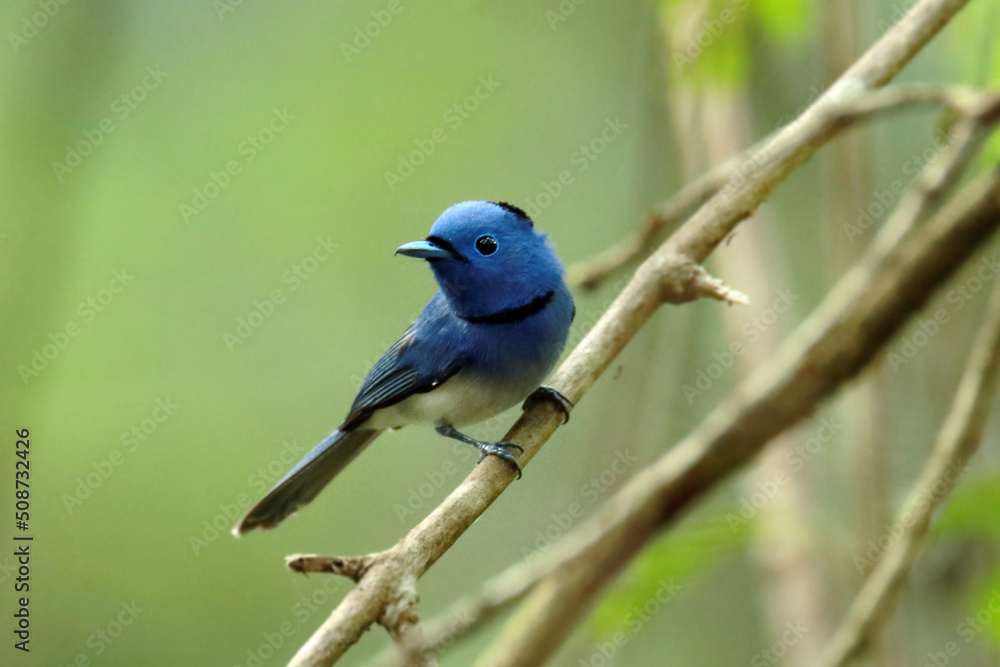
(486, 245)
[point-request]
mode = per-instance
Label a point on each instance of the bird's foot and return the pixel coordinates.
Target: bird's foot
(553, 396)
(500, 449)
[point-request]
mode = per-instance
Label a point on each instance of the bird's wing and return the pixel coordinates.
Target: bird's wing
(411, 366)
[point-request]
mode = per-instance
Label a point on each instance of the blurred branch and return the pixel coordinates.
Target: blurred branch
(956, 443)
(592, 273)
(672, 275)
(510, 586)
(589, 274)
(872, 301)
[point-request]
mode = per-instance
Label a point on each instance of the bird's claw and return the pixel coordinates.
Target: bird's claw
(553, 396)
(501, 451)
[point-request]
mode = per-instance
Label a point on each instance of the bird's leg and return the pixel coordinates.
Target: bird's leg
(499, 449)
(553, 396)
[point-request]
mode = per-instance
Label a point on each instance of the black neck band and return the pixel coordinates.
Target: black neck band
(514, 314)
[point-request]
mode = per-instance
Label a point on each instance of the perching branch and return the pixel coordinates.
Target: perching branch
(956, 443)
(671, 275)
(510, 586)
(872, 301)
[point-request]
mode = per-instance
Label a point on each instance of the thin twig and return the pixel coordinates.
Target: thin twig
(956, 443)
(592, 273)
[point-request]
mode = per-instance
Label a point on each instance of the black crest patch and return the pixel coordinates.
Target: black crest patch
(515, 210)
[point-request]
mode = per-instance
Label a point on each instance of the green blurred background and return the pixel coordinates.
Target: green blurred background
(163, 417)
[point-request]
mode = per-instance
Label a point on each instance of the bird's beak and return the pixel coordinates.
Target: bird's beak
(424, 250)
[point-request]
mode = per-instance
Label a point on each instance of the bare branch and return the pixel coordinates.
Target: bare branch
(352, 567)
(471, 612)
(843, 335)
(963, 100)
(390, 580)
(956, 443)
(510, 586)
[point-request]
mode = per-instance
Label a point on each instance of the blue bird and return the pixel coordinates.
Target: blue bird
(484, 341)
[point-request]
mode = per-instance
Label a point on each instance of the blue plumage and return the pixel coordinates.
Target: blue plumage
(483, 342)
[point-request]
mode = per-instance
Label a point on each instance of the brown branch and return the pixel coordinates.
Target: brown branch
(842, 336)
(591, 273)
(471, 612)
(352, 567)
(468, 613)
(668, 276)
(956, 443)
(675, 210)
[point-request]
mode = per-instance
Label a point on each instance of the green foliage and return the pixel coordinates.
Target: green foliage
(974, 510)
(666, 568)
(717, 48)
(783, 19)
(984, 614)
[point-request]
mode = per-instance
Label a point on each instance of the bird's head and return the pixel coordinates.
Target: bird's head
(488, 257)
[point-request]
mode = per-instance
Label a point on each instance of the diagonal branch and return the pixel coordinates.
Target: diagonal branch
(591, 273)
(668, 276)
(509, 587)
(839, 339)
(956, 443)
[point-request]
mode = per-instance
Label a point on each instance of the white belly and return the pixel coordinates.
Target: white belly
(458, 402)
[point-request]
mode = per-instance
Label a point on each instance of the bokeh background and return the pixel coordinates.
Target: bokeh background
(199, 202)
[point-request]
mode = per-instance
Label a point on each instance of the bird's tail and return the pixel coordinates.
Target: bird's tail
(306, 479)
